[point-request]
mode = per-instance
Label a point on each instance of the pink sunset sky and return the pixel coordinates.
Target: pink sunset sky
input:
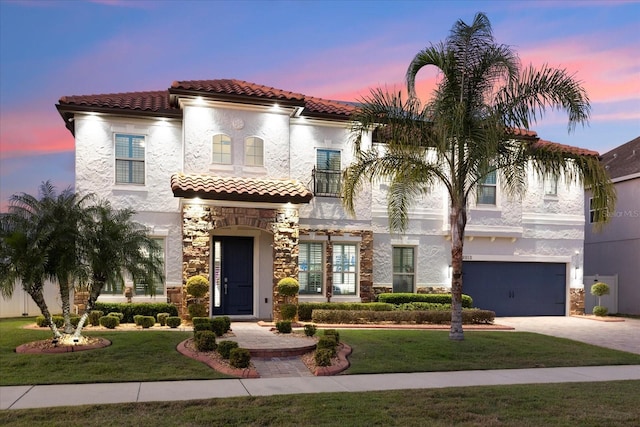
(330, 49)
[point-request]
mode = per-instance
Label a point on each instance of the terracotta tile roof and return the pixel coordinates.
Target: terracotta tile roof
(236, 87)
(325, 106)
(554, 146)
(239, 189)
(155, 101)
(623, 160)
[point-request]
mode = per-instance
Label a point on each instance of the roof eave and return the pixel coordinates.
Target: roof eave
(176, 93)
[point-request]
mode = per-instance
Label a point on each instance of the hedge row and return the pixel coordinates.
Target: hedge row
(469, 316)
(306, 308)
(403, 298)
(136, 309)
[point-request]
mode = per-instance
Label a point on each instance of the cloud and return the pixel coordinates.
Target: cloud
(24, 133)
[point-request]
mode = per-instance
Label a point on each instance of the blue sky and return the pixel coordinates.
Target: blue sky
(330, 49)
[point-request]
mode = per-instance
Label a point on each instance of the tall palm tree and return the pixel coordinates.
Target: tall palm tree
(470, 128)
(24, 251)
(114, 245)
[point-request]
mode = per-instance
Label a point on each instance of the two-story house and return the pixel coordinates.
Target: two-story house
(612, 254)
(241, 182)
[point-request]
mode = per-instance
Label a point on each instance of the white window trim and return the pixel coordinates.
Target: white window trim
(218, 164)
(245, 152)
(131, 185)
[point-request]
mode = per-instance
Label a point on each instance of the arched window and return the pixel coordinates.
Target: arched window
(221, 149)
(253, 151)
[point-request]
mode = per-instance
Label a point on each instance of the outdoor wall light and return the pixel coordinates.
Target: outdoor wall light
(449, 271)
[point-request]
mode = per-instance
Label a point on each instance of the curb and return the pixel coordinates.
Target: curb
(343, 363)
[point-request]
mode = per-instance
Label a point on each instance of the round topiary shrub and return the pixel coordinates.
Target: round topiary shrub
(162, 318)
(205, 341)
(174, 321)
(147, 321)
(219, 326)
(137, 319)
(288, 311)
(120, 316)
(197, 286)
(94, 317)
(109, 322)
(288, 287)
(600, 310)
(225, 347)
(310, 330)
(197, 310)
(284, 326)
(41, 322)
(239, 358)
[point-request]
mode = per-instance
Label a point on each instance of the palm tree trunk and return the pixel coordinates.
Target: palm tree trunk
(94, 293)
(66, 306)
(458, 220)
(36, 294)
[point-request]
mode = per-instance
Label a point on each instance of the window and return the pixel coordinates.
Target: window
(140, 288)
(487, 189)
(221, 149)
(129, 159)
(403, 269)
(253, 151)
(596, 215)
(310, 275)
(327, 173)
(551, 186)
(344, 269)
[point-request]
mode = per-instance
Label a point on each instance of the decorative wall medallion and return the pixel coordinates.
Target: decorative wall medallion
(237, 123)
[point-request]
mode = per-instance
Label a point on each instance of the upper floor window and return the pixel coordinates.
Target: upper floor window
(253, 151)
(345, 269)
(129, 159)
(403, 269)
(327, 174)
(487, 189)
(221, 149)
(311, 262)
(550, 183)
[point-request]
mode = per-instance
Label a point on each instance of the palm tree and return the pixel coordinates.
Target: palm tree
(24, 251)
(114, 245)
(469, 129)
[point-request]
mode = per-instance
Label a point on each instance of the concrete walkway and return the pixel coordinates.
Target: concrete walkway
(23, 397)
(288, 375)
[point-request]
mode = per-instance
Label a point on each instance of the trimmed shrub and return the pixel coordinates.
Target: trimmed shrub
(239, 358)
(305, 309)
(40, 321)
(219, 326)
(94, 317)
(288, 311)
(400, 316)
(162, 318)
(197, 310)
(310, 330)
(227, 323)
(197, 286)
(120, 316)
(327, 343)
(197, 327)
(109, 322)
(424, 306)
(147, 321)
(205, 341)
(201, 321)
(75, 319)
(284, 326)
(332, 333)
(225, 347)
(137, 319)
(600, 310)
(174, 321)
(323, 357)
(404, 298)
(288, 287)
(57, 319)
(132, 309)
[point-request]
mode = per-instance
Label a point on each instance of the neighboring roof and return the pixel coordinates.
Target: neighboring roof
(239, 189)
(623, 160)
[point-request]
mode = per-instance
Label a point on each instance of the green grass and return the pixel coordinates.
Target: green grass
(575, 404)
(379, 351)
(132, 356)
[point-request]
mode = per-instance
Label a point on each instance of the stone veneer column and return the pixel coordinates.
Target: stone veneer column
(576, 301)
(285, 253)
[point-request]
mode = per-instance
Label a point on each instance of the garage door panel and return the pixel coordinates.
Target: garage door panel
(516, 289)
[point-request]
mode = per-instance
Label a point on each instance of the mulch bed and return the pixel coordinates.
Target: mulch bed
(48, 346)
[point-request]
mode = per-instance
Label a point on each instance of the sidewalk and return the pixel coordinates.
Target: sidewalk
(22, 397)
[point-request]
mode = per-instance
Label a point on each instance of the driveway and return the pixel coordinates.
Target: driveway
(620, 335)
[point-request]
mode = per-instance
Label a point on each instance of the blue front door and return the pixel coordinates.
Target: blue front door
(233, 275)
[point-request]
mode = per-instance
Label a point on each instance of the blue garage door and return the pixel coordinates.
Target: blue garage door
(516, 288)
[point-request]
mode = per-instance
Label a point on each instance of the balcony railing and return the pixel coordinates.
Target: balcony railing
(327, 183)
